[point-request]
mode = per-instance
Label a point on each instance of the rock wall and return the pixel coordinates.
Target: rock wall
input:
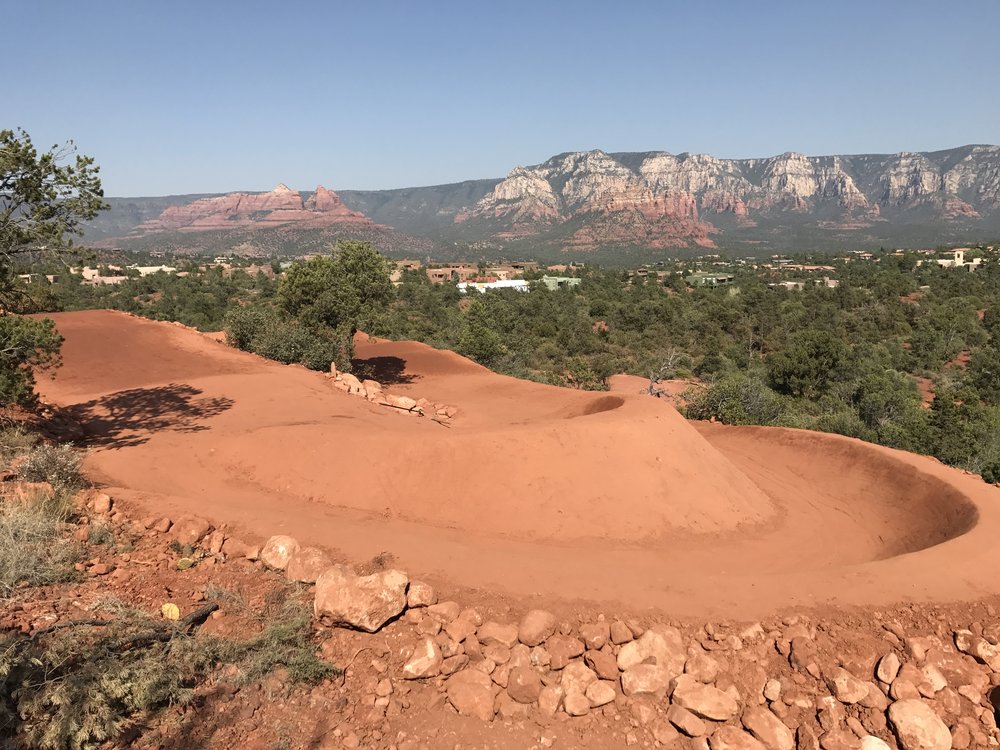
(658, 199)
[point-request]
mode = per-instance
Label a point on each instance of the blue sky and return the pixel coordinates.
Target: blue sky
(181, 97)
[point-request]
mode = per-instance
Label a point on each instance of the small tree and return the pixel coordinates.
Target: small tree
(807, 365)
(342, 292)
(43, 200)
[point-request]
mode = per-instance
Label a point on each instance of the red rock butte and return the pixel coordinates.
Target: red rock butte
(532, 490)
(281, 206)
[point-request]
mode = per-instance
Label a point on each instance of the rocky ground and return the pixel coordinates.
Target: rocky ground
(428, 669)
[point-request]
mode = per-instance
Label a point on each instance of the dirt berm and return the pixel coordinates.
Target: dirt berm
(531, 490)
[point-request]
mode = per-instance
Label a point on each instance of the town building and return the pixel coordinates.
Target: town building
(554, 283)
(711, 279)
(519, 285)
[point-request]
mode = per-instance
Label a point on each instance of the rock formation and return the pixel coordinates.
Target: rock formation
(281, 206)
(658, 199)
(591, 200)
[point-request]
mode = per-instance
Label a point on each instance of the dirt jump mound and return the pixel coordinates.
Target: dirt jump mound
(530, 489)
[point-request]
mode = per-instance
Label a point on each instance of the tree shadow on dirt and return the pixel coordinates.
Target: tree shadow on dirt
(386, 370)
(129, 418)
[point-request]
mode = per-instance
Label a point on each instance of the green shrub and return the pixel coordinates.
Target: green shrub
(57, 464)
(738, 399)
(847, 423)
(28, 345)
(242, 324)
(265, 331)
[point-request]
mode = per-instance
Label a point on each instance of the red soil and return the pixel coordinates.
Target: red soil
(534, 490)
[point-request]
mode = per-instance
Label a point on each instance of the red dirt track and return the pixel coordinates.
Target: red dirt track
(533, 490)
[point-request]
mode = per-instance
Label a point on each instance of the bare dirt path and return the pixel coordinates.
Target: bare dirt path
(534, 490)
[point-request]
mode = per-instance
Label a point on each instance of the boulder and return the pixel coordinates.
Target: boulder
(539, 657)
(646, 679)
(550, 699)
(662, 646)
(402, 402)
(562, 650)
(888, 668)
(600, 693)
(420, 594)
(875, 699)
(958, 669)
(471, 693)
(497, 653)
(494, 633)
(235, 548)
(902, 689)
(102, 503)
(190, 530)
(452, 664)
(845, 687)
(706, 701)
(702, 667)
(215, 541)
(768, 728)
(535, 627)
(576, 704)
(354, 386)
(918, 727)
(802, 652)
(603, 664)
(425, 661)
(364, 602)
(664, 733)
(839, 739)
(162, 525)
(524, 684)
(306, 564)
(978, 648)
(686, 721)
(620, 633)
(460, 628)
(870, 742)
(595, 635)
(576, 678)
(772, 690)
(731, 738)
(444, 612)
(278, 550)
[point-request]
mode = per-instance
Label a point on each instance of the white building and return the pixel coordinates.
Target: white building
(957, 260)
(150, 270)
(481, 286)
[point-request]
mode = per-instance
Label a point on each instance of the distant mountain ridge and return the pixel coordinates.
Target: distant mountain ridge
(582, 202)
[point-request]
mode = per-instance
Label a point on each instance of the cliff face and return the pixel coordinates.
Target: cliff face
(592, 200)
(662, 200)
(282, 206)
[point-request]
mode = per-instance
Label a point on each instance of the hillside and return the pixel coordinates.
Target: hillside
(184, 424)
(323, 571)
(586, 202)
